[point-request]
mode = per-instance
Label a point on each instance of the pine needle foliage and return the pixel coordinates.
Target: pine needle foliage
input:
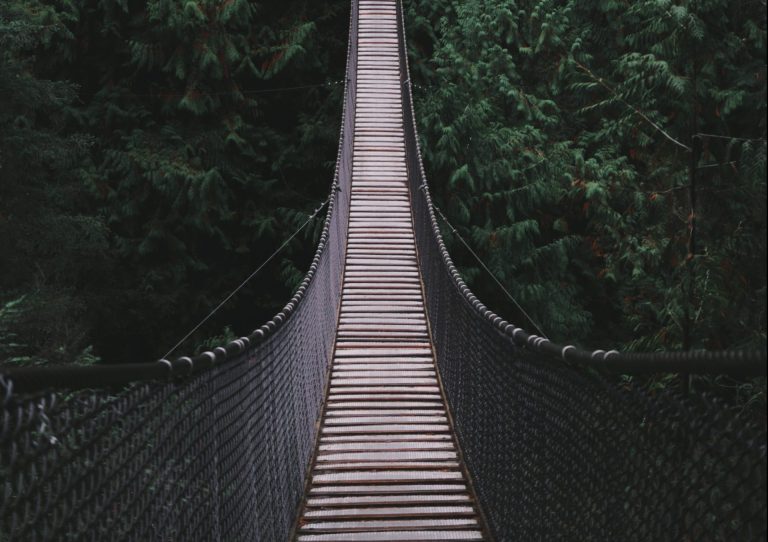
(558, 138)
(198, 164)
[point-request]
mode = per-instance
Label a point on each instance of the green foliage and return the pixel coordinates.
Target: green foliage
(555, 136)
(50, 239)
(488, 137)
(10, 313)
(170, 166)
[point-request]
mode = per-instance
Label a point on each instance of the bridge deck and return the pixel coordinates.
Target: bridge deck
(387, 466)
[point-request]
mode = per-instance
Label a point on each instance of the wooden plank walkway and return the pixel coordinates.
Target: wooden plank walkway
(386, 466)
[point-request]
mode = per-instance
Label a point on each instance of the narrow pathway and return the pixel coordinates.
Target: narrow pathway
(387, 466)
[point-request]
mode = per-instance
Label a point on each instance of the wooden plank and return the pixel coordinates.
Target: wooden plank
(357, 439)
(380, 420)
(387, 359)
(385, 336)
(401, 446)
(383, 350)
(347, 398)
(366, 294)
(383, 390)
(379, 500)
(341, 367)
(391, 373)
(407, 456)
(391, 466)
(378, 318)
(388, 525)
(384, 257)
(382, 293)
(401, 536)
(408, 488)
(393, 512)
(404, 380)
(398, 477)
(386, 428)
(362, 411)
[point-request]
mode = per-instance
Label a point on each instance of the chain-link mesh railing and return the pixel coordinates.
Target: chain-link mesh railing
(214, 447)
(558, 449)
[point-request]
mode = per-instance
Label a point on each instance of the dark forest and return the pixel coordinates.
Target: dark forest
(606, 159)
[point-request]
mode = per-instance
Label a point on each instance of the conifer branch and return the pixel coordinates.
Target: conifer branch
(602, 83)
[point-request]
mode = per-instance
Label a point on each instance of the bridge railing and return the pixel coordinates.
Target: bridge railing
(560, 448)
(214, 447)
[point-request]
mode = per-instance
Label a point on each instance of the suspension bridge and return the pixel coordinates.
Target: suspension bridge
(384, 402)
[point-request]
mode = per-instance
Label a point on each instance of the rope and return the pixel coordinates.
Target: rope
(242, 284)
(484, 266)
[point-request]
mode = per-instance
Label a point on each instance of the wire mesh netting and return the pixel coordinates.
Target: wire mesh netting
(559, 451)
(220, 456)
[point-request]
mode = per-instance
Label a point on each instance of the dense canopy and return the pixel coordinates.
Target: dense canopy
(606, 160)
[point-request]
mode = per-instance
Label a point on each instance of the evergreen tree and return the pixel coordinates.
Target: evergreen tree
(596, 106)
(490, 141)
(50, 240)
(200, 164)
